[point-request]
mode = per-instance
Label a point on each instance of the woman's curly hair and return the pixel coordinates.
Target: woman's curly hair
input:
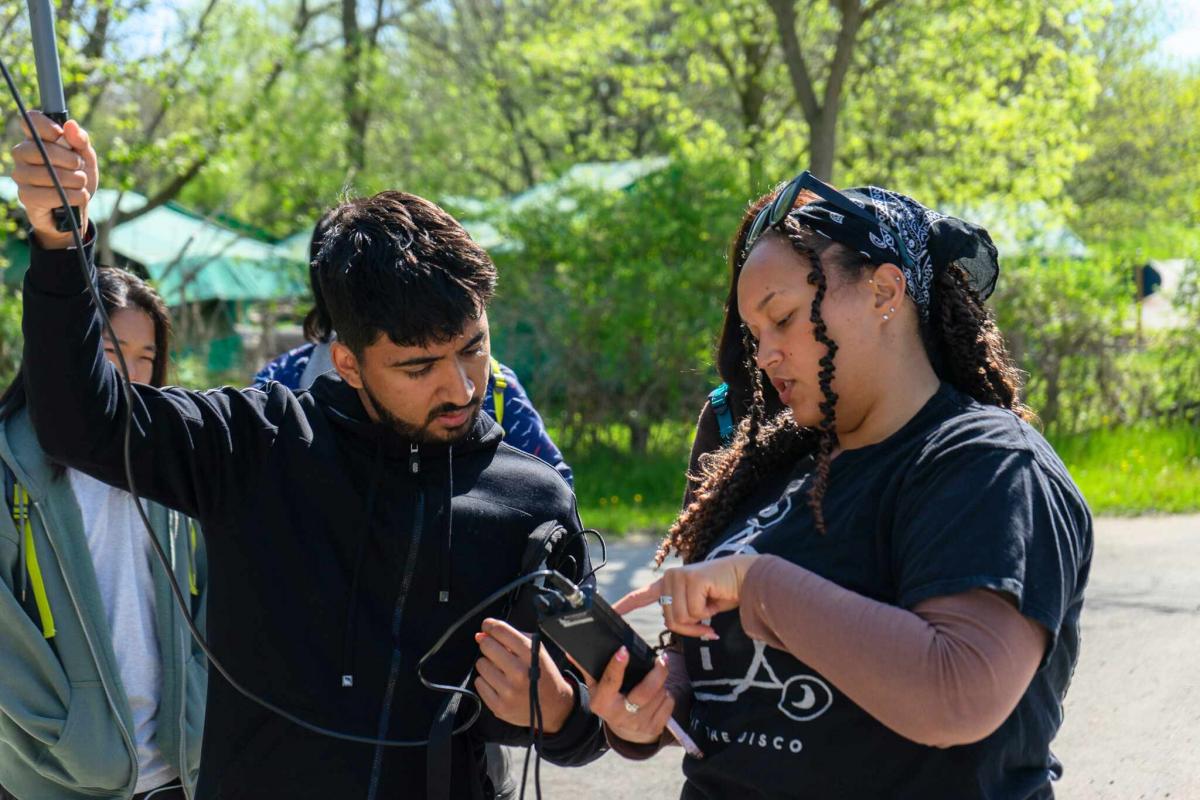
(964, 346)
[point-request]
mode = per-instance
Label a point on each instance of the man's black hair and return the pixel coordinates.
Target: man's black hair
(317, 326)
(395, 264)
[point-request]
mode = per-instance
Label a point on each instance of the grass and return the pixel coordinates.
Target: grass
(1138, 470)
(620, 492)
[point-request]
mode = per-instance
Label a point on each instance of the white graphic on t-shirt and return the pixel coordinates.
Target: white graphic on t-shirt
(764, 520)
(801, 697)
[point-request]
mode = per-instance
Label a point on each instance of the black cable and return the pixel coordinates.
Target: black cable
(539, 732)
(525, 770)
(603, 552)
(161, 556)
(535, 720)
(532, 717)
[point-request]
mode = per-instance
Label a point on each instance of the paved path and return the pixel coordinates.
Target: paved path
(1132, 726)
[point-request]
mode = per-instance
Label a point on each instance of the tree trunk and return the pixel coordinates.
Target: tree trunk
(822, 146)
(821, 113)
(639, 437)
(353, 104)
(1049, 412)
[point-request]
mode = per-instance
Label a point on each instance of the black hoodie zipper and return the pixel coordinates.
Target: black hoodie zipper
(410, 568)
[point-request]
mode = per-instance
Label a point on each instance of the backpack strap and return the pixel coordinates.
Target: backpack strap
(499, 384)
(20, 506)
(718, 400)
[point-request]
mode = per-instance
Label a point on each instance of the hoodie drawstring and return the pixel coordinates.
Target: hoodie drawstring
(352, 610)
(444, 588)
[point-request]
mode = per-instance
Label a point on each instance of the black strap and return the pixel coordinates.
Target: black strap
(438, 761)
(538, 550)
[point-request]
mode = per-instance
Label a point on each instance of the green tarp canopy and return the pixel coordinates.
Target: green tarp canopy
(480, 217)
(189, 258)
(16, 249)
(295, 247)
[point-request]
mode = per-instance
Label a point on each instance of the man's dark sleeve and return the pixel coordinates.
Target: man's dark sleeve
(581, 739)
(189, 450)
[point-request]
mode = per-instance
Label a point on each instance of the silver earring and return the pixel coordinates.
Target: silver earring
(885, 317)
(892, 310)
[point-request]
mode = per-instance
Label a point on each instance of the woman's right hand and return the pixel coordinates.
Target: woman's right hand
(653, 702)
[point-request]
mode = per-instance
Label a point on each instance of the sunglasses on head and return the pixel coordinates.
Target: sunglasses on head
(777, 211)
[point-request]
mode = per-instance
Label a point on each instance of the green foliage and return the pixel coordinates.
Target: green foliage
(949, 100)
(1145, 162)
(1066, 322)
(1137, 188)
(966, 100)
(10, 335)
(1072, 326)
(488, 99)
(610, 304)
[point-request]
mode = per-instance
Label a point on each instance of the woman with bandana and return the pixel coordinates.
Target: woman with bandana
(882, 584)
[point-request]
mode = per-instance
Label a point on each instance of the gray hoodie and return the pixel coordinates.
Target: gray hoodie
(65, 723)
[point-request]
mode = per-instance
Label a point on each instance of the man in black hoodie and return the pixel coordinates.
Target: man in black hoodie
(347, 526)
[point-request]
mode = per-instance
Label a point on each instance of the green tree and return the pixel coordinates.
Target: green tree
(10, 334)
(952, 100)
(610, 305)
(1139, 184)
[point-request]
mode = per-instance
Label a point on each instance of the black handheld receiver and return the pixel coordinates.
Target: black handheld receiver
(592, 632)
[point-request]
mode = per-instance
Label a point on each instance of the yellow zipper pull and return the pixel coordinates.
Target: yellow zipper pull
(35, 570)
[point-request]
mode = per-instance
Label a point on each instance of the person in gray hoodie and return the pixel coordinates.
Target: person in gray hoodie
(103, 690)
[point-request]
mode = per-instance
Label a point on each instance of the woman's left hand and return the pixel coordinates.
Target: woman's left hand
(693, 593)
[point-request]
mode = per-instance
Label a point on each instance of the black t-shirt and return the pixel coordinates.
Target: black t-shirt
(964, 496)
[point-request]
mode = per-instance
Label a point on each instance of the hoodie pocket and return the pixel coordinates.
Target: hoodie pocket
(91, 753)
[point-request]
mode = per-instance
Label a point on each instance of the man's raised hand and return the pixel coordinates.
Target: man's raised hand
(75, 162)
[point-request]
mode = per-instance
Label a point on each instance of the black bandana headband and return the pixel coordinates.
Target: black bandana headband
(888, 227)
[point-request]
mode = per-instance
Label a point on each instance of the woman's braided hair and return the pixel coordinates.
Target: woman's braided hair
(964, 346)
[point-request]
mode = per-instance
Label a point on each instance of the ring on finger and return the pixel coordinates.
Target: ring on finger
(665, 600)
(632, 707)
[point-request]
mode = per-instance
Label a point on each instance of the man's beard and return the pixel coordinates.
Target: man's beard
(421, 433)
